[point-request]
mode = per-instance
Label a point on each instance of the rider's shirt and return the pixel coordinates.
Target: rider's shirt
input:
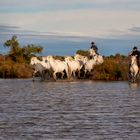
(136, 53)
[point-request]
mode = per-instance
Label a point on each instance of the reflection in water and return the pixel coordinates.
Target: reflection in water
(69, 110)
(134, 88)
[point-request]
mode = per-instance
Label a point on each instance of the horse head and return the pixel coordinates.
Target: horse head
(68, 58)
(49, 58)
(33, 60)
(92, 52)
(98, 59)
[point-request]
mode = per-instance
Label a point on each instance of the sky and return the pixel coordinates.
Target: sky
(115, 23)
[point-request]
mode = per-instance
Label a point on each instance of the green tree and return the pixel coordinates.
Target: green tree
(83, 52)
(15, 49)
(21, 54)
(31, 50)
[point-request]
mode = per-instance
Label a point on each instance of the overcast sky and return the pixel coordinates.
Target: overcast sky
(97, 18)
(91, 18)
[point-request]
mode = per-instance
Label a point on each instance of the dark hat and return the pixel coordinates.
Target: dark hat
(92, 42)
(134, 48)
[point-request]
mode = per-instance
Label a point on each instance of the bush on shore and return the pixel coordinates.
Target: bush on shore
(113, 68)
(15, 64)
(10, 69)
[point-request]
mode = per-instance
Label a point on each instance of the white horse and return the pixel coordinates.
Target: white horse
(92, 53)
(95, 60)
(39, 66)
(81, 58)
(74, 66)
(89, 65)
(44, 63)
(98, 58)
(58, 66)
(134, 69)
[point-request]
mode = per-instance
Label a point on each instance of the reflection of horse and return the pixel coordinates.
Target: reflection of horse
(134, 69)
(58, 66)
(133, 88)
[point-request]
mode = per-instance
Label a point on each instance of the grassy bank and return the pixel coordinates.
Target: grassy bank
(11, 69)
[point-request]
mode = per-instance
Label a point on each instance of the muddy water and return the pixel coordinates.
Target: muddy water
(69, 110)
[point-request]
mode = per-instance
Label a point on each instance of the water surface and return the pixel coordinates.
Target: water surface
(82, 110)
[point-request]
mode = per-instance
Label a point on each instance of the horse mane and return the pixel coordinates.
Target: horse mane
(39, 58)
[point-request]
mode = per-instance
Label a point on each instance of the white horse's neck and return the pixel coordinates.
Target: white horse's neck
(133, 61)
(92, 52)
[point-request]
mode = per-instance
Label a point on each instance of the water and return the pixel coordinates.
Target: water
(82, 110)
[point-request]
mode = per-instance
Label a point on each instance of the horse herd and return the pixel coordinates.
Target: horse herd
(70, 66)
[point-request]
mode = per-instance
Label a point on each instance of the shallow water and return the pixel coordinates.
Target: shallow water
(82, 110)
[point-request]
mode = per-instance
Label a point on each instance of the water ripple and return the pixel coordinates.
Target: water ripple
(69, 110)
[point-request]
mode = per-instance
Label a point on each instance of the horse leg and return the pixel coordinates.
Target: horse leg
(68, 71)
(78, 73)
(133, 77)
(48, 74)
(42, 75)
(54, 76)
(136, 76)
(70, 74)
(87, 71)
(73, 74)
(33, 76)
(62, 75)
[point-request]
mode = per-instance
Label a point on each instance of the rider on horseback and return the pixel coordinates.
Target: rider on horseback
(134, 65)
(93, 48)
(137, 53)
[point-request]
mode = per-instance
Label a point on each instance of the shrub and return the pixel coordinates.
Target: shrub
(83, 52)
(10, 69)
(111, 69)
